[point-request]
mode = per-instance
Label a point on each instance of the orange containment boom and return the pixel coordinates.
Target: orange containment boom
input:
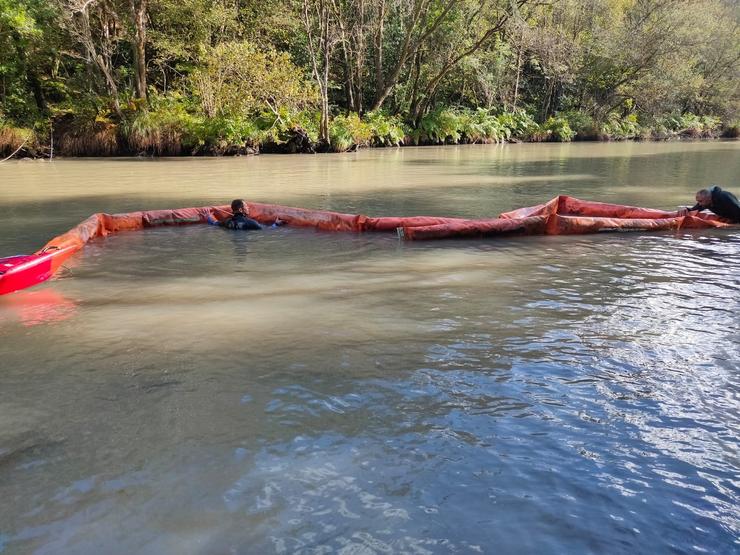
(562, 215)
(565, 215)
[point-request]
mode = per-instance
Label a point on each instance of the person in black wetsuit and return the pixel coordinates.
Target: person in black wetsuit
(722, 203)
(240, 218)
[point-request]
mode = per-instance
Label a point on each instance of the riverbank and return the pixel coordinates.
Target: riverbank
(169, 130)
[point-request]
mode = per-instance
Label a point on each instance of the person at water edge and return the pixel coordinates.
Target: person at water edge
(240, 219)
(722, 203)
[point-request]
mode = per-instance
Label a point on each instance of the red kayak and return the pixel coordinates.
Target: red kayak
(560, 216)
(19, 272)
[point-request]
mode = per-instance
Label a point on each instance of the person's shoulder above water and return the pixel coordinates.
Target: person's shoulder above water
(720, 195)
(241, 222)
(723, 203)
(239, 219)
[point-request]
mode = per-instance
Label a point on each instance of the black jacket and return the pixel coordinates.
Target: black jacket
(240, 221)
(724, 204)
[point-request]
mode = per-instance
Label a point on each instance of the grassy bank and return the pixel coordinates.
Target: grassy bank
(169, 128)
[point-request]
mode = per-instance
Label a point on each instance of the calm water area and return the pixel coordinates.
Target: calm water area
(197, 391)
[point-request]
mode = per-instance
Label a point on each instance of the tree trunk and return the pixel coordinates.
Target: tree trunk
(78, 24)
(379, 85)
(112, 88)
(548, 98)
(411, 45)
(349, 87)
(359, 56)
(138, 15)
(518, 75)
(324, 131)
(325, 31)
(427, 97)
(415, 102)
(38, 92)
(317, 22)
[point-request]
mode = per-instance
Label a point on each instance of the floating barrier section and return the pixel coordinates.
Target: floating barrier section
(561, 216)
(566, 216)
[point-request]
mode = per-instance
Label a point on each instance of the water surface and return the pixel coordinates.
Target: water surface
(196, 391)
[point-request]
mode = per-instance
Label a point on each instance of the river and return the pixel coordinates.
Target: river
(195, 391)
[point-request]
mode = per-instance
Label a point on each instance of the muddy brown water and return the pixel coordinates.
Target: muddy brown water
(196, 391)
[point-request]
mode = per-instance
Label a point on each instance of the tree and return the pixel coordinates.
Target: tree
(238, 79)
(25, 44)
(322, 37)
(95, 26)
(139, 17)
(353, 25)
(475, 24)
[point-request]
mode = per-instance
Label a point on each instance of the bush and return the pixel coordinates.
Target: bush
(162, 129)
(240, 79)
(556, 128)
(710, 126)
(583, 125)
(11, 138)
(440, 126)
(346, 132)
(731, 130)
(480, 126)
(282, 126)
(689, 125)
(620, 128)
(86, 134)
(517, 125)
(223, 135)
(386, 130)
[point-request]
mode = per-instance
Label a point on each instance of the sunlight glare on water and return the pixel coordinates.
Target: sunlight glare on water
(194, 391)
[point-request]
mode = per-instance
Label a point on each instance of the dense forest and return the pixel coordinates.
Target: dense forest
(168, 77)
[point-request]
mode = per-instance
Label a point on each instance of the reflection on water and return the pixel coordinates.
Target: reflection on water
(35, 307)
(200, 391)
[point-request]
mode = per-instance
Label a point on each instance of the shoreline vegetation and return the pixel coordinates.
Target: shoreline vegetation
(236, 77)
(171, 137)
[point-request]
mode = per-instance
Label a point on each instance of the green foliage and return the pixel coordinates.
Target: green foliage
(21, 39)
(711, 124)
(559, 129)
(225, 76)
(163, 128)
(556, 128)
(440, 126)
(474, 126)
(12, 137)
(387, 130)
(583, 125)
(237, 78)
(346, 132)
(222, 134)
(518, 124)
(170, 126)
(183, 31)
(278, 127)
(689, 125)
(620, 128)
(480, 126)
(15, 16)
(483, 126)
(700, 126)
